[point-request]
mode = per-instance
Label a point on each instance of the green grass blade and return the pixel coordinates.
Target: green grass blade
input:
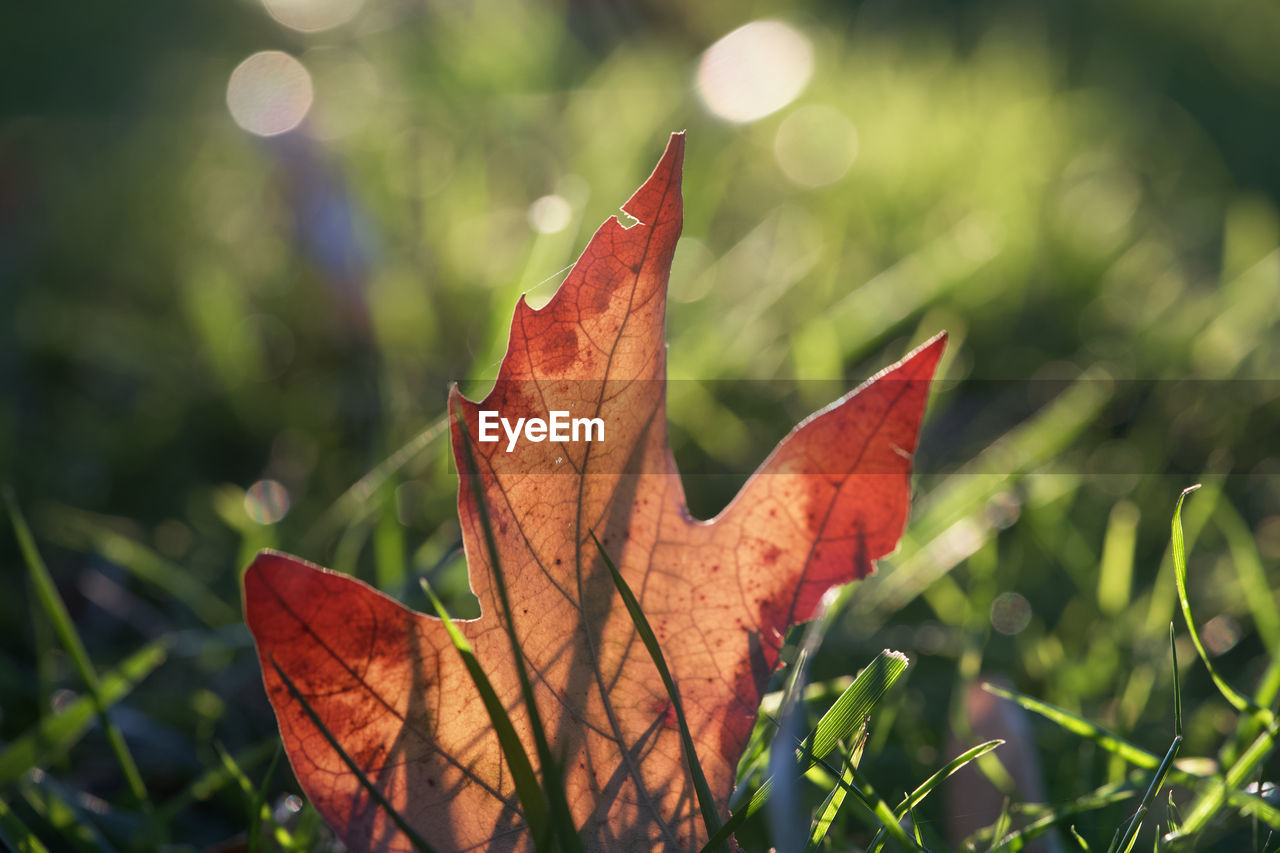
(888, 820)
(1115, 574)
(214, 779)
(1240, 703)
(558, 806)
(928, 549)
(738, 818)
(849, 712)
(50, 738)
(358, 500)
(1173, 817)
(1045, 819)
(915, 827)
(260, 798)
(1248, 804)
(389, 564)
(14, 833)
(855, 703)
(415, 839)
(258, 811)
(1109, 741)
(706, 802)
(1177, 685)
(1253, 576)
(917, 796)
(1219, 795)
(972, 754)
(835, 799)
(1130, 837)
(68, 819)
(83, 530)
(1001, 828)
(1084, 845)
(532, 801)
(56, 610)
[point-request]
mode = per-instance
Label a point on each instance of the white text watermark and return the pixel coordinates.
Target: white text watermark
(558, 426)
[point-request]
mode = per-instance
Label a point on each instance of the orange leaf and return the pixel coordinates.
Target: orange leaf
(720, 595)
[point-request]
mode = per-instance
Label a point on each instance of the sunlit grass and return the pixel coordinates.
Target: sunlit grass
(196, 310)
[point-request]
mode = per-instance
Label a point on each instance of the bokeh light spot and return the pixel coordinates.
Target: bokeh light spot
(550, 214)
(1269, 537)
(1010, 613)
(266, 502)
(755, 70)
(1220, 634)
(311, 16)
(269, 93)
(815, 146)
(348, 92)
(61, 700)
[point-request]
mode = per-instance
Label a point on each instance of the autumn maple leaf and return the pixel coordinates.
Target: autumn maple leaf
(393, 691)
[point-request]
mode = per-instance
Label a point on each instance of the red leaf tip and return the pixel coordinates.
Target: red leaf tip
(645, 203)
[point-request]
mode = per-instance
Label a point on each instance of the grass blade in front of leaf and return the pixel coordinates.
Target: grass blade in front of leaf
(560, 816)
(532, 799)
(418, 842)
(706, 802)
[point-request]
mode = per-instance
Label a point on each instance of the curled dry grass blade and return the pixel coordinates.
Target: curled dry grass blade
(706, 802)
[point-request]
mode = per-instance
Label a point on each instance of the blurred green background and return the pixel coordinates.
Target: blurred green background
(244, 246)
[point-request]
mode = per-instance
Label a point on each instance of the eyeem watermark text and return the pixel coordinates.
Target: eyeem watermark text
(557, 427)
